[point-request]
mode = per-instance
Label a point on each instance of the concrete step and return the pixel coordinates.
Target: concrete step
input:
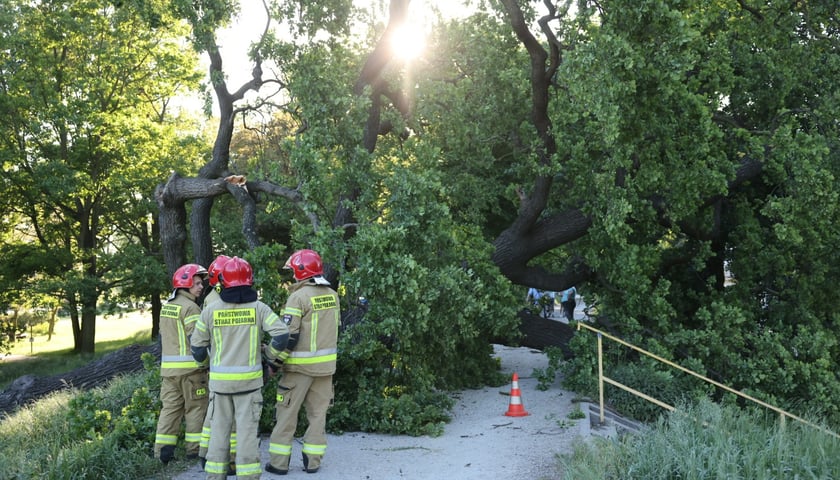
(613, 426)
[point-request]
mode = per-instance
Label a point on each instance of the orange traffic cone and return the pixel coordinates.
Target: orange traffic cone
(515, 408)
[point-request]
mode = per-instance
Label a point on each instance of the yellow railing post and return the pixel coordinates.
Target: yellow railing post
(601, 376)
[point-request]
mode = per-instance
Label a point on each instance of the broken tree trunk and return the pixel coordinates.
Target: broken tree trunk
(29, 388)
(539, 333)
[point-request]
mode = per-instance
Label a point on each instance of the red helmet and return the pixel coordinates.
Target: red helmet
(215, 269)
(305, 264)
(237, 272)
(183, 277)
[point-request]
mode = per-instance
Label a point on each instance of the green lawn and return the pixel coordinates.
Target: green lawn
(43, 356)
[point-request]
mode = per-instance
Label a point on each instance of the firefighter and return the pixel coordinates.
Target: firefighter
(313, 315)
(215, 286)
(213, 272)
(183, 389)
(229, 333)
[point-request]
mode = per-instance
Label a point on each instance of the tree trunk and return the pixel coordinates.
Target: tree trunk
(173, 224)
(51, 329)
(539, 333)
(29, 388)
(75, 323)
(200, 231)
(156, 307)
(87, 342)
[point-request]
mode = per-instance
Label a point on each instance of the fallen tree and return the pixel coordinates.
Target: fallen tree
(537, 333)
(30, 388)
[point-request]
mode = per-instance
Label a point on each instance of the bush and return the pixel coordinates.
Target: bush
(376, 393)
(669, 386)
(103, 433)
(547, 376)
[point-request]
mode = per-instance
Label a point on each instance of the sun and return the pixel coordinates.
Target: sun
(408, 42)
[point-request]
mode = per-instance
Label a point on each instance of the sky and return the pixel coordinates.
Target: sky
(234, 41)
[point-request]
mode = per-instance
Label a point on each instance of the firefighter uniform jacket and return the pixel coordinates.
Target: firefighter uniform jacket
(313, 315)
(211, 297)
(234, 331)
(177, 321)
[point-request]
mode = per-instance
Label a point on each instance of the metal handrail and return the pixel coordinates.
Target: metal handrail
(602, 378)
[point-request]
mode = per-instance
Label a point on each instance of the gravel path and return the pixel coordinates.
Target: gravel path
(480, 443)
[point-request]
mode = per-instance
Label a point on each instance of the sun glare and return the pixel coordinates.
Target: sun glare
(408, 42)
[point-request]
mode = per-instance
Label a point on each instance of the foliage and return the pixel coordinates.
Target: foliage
(665, 385)
(472, 124)
(707, 442)
(104, 433)
(99, 413)
(665, 104)
(84, 138)
(434, 304)
(576, 413)
(546, 377)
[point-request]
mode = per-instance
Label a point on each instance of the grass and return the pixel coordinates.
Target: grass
(45, 357)
(57, 439)
(105, 432)
(709, 442)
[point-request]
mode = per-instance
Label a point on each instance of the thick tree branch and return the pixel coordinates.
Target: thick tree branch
(535, 203)
(381, 54)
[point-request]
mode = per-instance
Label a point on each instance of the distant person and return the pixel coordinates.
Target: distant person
(313, 315)
(229, 333)
(568, 301)
(541, 301)
(183, 389)
(533, 297)
(547, 301)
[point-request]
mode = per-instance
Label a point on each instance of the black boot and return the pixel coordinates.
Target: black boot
(272, 469)
(167, 453)
(306, 465)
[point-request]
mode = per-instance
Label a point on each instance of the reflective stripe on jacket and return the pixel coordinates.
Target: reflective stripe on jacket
(177, 321)
(234, 333)
(312, 311)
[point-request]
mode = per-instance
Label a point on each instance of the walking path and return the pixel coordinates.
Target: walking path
(480, 442)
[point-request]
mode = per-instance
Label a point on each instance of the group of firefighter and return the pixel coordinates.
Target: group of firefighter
(213, 357)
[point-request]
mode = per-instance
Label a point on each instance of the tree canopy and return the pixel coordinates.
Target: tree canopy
(676, 161)
(85, 87)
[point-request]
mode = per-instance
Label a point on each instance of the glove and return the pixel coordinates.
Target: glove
(273, 364)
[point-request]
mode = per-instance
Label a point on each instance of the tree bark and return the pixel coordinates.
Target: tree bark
(540, 333)
(29, 388)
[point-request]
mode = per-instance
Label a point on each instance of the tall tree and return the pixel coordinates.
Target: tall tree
(80, 81)
(646, 149)
(673, 145)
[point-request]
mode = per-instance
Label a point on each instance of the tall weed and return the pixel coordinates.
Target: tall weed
(102, 433)
(705, 441)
